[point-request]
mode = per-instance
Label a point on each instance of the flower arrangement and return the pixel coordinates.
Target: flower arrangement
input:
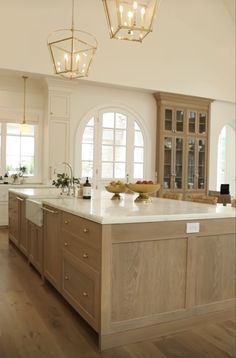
(65, 182)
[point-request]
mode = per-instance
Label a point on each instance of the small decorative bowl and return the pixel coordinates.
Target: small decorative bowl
(116, 190)
(144, 190)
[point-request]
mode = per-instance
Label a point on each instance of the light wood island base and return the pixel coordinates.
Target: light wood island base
(156, 278)
(133, 281)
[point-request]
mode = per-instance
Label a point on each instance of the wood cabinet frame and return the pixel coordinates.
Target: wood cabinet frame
(186, 104)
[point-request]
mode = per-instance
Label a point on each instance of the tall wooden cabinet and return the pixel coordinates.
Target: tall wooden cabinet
(182, 143)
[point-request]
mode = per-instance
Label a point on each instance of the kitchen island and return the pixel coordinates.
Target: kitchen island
(128, 267)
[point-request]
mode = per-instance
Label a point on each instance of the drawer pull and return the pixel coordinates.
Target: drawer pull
(66, 277)
(85, 256)
(49, 210)
(85, 294)
(86, 230)
(65, 243)
(66, 222)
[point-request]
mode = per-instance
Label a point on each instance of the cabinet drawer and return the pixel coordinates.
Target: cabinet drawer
(89, 255)
(82, 228)
(80, 286)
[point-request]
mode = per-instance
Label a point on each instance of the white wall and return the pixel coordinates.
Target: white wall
(191, 50)
(222, 113)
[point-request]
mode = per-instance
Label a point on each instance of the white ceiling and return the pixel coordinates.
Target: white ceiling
(191, 50)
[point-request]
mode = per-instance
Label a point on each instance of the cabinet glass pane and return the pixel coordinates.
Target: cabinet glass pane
(179, 121)
(167, 162)
(201, 163)
(191, 163)
(192, 122)
(178, 163)
(168, 119)
(202, 123)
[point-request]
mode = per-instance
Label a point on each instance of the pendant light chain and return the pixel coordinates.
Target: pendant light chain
(72, 22)
(25, 78)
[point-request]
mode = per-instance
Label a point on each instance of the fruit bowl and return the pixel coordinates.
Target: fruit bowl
(116, 190)
(144, 190)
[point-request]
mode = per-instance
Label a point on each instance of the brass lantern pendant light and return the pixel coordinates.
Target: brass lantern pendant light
(130, 20)
(72, 51)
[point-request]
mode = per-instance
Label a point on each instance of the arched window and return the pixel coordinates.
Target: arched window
(112, 146)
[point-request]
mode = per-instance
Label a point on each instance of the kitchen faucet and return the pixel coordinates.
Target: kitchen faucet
(72, 184)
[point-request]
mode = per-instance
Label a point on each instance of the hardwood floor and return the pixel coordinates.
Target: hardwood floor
(36, 322)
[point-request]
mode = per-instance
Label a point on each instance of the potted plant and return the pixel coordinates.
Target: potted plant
(63, 182)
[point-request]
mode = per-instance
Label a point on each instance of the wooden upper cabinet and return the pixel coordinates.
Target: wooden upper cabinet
(182, 143)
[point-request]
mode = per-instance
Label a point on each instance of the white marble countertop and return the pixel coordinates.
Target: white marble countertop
(103, 210)
(37, 192)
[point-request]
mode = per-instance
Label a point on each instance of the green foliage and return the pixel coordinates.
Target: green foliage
(62, 181)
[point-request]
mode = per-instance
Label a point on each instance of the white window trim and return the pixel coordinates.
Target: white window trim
(97, 114)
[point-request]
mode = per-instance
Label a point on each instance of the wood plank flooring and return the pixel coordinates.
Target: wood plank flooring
(36, 322)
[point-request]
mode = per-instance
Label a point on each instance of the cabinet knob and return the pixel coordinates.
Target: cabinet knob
(66, 244)
(85, 256)
(86, 230)
(66, 277)
(66, 222)
(85, 294)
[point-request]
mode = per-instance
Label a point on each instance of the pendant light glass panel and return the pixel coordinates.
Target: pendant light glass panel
(130, 20)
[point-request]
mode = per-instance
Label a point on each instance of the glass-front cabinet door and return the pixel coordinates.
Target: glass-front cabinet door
(174, 120)
(168, 160)
(191, 167)
(168, 119)
(202, 123)
(192, 122)
(196, 168)
(201, 164)
(178, 173)
(173, 163)
(179, 121)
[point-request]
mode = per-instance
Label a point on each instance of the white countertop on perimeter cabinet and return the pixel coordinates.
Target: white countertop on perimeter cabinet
(102, 209)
